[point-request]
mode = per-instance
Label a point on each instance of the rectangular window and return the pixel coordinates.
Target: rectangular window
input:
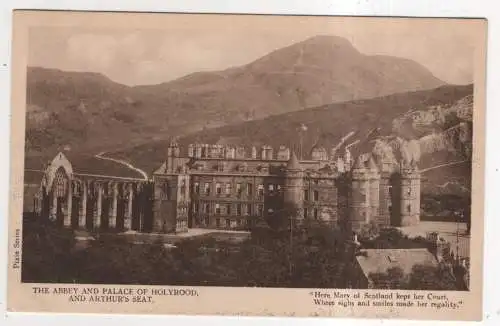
(207, 208)
(207, 221)
(315, 212)
(270, 187)
(260, 209)
(249, 222)
(217, 209)
(218, 189)
(260, 190)
(316, 195)
(166, 190)
(249, 189)
(228, 209)
(228, 188)
(217, 222)
(238, 189)
(228, 223)
(390, 191)
(409, 191)
(408, 208)
(207, 188)
(306, 213)
(195, 207)
(249, 209)
(238, 209)
(196, 187)
(306, 195)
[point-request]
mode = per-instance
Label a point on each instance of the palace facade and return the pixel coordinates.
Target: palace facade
(233, 187)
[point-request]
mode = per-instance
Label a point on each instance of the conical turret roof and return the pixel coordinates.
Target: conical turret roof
(293, 162)
(372, 165)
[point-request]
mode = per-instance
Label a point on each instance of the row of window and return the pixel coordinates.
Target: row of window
(307, 195)
(227, 223)
(227, 209)
(315, 213)
(221, 188)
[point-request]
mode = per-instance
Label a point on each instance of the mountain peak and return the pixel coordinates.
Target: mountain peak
(328, 45)
(331, 40)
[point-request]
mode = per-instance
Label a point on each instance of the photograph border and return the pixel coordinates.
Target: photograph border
(266, 301)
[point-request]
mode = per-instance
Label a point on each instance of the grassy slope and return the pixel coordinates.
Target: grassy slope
(326, 124)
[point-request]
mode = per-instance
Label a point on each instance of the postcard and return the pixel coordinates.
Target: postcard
(258, 165)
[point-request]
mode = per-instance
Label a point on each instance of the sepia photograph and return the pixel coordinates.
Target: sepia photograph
(246, 151)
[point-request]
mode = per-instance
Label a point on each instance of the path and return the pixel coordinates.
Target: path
(128, 165)
(442, 165)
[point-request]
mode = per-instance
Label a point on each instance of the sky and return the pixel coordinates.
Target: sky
(139, 53)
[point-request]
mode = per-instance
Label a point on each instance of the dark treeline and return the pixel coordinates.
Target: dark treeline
(314, 257)
(447, 207)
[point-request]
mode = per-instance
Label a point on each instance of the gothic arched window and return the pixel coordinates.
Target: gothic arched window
(60, 183)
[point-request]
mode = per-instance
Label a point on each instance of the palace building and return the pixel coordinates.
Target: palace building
(233, 187)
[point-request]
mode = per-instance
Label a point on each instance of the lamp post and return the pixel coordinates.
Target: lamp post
(459, 216)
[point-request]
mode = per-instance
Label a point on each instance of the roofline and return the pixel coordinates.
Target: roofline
(96, 175)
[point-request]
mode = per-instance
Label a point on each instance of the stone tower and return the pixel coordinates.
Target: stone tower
(171, 194)
(387, 196)
(359, 201)
(410, 194)
(294, 187)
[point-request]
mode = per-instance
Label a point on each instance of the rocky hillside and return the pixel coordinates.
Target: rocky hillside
(433, 127)
(92, 113)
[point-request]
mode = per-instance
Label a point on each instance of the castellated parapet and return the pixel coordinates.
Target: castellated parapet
(235, 187)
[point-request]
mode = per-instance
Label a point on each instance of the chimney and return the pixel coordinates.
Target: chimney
(263, 152)
(190, 150)
(283, 153)
(254, 152)
(270, 153)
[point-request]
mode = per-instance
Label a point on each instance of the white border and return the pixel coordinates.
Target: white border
(489, 9)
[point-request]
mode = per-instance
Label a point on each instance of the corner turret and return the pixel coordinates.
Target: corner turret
(294, 187)
(410, 194)
(360, 209)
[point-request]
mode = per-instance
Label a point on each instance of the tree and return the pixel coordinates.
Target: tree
(369, 231)
(393, 279)
(425, 277)
(392, 238)
(47, 252)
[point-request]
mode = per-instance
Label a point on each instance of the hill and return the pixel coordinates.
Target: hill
(444, 138)
(90, 112)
